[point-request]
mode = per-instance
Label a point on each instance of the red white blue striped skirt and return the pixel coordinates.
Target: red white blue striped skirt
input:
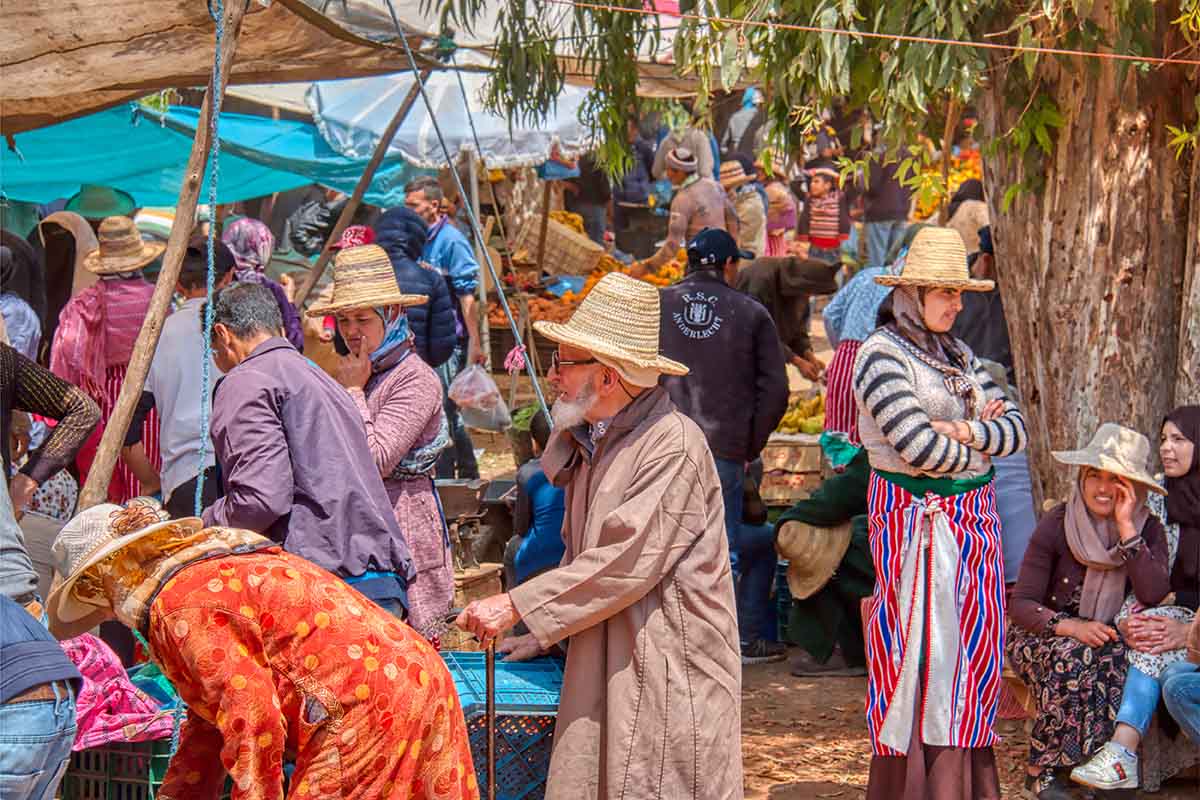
(841, 409)
(935, 628)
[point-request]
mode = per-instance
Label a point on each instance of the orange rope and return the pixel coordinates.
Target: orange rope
(896, 37)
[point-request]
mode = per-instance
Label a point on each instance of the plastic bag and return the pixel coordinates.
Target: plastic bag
(479, 401)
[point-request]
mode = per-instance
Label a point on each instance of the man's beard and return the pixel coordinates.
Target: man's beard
(569, 413)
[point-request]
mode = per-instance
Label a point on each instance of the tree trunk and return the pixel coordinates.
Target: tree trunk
(1098, 269)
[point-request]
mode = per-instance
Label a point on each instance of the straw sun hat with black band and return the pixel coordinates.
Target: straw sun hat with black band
(618, 320)
(363, 278)
(937, 259)
(121, 248)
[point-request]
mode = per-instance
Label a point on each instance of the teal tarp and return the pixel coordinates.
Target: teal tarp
(132, 150)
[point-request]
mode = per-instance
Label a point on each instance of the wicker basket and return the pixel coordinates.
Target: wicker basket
(567, 252)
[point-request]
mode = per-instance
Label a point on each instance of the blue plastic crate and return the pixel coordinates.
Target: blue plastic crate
(523, 687)
(527, 696)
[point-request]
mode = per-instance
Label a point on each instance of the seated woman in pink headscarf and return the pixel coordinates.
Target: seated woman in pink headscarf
(252, 243)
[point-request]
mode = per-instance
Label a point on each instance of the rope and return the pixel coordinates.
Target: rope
(525, 363)
(894, 37)
(462, 192)
(217, 8)
(217, 11)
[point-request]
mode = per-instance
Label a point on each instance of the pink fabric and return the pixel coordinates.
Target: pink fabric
(402, 410)
(514, 362)
(109, 707)
(98, 327)
(124, 485)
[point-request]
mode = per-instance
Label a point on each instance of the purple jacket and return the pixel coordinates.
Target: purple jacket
(296, 466)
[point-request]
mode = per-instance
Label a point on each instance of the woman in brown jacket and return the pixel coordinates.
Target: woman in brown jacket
(1083, 559)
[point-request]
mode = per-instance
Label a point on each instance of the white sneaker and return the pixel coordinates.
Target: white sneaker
(1111, 768)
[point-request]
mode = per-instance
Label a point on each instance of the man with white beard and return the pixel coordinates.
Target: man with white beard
(650, 703)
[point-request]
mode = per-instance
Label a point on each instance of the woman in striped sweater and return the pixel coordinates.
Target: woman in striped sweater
(931, 420)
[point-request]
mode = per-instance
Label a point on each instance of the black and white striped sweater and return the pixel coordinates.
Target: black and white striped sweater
(898, 396)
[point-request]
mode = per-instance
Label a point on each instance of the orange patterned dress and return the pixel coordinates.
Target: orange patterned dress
(276, 659)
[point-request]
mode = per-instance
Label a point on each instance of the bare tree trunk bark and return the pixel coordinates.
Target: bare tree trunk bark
(1093, 267)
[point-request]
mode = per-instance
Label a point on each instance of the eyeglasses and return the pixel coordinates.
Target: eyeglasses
(557, 362)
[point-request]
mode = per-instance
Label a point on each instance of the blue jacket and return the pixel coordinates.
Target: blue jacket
(402, 234)
(29, 655)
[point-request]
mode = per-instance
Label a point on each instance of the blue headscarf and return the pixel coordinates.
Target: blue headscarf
(750, 97)
(396, 338)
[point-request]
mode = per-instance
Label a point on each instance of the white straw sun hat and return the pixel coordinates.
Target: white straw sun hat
(85, 541)
(363, 278)
(937, 258)
(1118, 450)
(619, 320)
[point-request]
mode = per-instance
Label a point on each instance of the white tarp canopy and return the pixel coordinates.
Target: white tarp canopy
(352, 115)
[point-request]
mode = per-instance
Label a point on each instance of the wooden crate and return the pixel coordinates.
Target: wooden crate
(795, 452)
(501, 339)
(786, 488)
(470, 585)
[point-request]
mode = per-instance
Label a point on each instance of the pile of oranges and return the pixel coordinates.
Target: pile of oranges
(541, 308)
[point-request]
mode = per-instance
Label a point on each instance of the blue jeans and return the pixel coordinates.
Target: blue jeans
(35, 745)
(756, 558)
(595, 219)
(880, 238)
(733, 481)
(1138, 700)
(1181, 693)
(458, 460)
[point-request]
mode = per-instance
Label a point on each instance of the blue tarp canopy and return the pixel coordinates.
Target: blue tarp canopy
(146, 154)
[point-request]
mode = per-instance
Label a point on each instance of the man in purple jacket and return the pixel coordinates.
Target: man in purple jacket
(294, 457)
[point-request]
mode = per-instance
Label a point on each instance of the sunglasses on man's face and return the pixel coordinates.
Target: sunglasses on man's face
(557, 362)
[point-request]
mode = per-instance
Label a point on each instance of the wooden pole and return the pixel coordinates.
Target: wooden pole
(485, 337)
(95, 490)
(355, 200)
(541, 251)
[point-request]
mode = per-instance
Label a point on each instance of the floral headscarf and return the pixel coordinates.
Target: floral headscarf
(252, 243)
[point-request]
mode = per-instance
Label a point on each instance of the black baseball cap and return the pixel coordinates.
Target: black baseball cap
(712, 247)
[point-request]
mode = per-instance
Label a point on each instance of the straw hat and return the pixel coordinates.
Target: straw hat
(363, 278)
(1118, 450)
(733, 175)
(89, 538)
(100, 202)
(813, 554)
(121, 248)
(937, 258)
(618, 319)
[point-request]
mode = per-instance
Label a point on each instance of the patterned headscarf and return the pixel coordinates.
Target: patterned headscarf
(251, 243)
(396, 339)
(355, 236)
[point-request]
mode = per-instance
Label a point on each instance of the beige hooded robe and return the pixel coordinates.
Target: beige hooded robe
(651, 698)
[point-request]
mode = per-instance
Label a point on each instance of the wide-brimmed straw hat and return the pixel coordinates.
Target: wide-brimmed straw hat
(937, 258)
(363, 278)
(121, 249)
(100, 202)
(618, 319)
(812, 553)
(733, 175)
(1116, 449)
(85, 541)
